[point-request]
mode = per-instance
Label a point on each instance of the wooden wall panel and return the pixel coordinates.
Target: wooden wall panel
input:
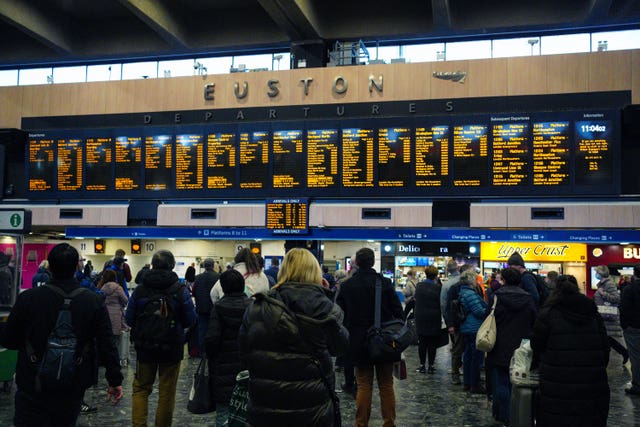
(411, 81)
(610, 216)
(35, 100)
(635, 76)
(609, 70)
(447, 89)
(482, 216)
(95, 215)
(377, 70)
(11, 112)
(527, 75)
(487, 77)
(316, 87)
(568, 73)
(227, 215)
(91, 98)
(350, 75)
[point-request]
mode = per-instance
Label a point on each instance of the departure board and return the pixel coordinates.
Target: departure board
(189, 162)
(254, 159)
(158, 162)
(470, 151)
(551, 149)
(357, 157)
(41, 164)
(322, 158)
(289, 169)
(432, 156)
(594, 159)
(510, 163)
(221, 160)
(97, 163)
(128, 162)
(394, 157)
(287, 216)
(69, 164)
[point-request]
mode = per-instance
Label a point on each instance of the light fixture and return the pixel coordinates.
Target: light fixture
(171, 238)
(533, 42)
(625, 243)
(387, 248)
(472, 249)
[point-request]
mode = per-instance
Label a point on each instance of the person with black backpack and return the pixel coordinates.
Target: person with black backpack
(529, 282)
(58, 329)
(158, 312)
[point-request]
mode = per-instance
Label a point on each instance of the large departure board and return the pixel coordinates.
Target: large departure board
(566, 153)
(287, 216)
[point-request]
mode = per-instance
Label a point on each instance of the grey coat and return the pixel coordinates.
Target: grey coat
(608, 292)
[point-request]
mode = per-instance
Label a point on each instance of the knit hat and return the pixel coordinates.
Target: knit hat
(602, 270)
(516, 259)
(452, 266)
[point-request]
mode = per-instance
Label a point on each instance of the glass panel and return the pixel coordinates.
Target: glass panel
(568, 43)
(524, 46)
(216, 65)
(615, 40)
(423, 52)
(385, 53)
(99, 73)
(252, 62)
(9, 78)
(468, 50)
(179, 68)
(35, 76)
(70, 74)
(140, 70)
(282, 61)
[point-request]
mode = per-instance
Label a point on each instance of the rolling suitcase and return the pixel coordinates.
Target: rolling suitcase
(123, 347)
(522, 406)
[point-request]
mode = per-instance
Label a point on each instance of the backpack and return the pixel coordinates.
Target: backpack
(155, 327)
(541, 287)
(58, 366)
(456, 312)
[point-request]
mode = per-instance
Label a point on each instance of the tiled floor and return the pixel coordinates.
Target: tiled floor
(422, 400)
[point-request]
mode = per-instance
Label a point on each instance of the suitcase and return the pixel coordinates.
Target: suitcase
(522, 406)
(123, 347)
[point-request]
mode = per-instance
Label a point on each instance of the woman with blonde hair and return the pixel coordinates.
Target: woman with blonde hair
(286, 340)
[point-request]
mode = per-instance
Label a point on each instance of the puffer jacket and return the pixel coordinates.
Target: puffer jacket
(608, 292)
(570, 339)
(474, 307)
(427, 308)
(287, 358)
(253, 283)
(116, 301)
(221, 343)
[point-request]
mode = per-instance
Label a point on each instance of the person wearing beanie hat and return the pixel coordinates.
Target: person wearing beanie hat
(607, 299)
(457, 345)
(528, 280)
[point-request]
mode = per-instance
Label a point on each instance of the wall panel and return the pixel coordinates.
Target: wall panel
(441, 89)
(609, 70)
(568, 73)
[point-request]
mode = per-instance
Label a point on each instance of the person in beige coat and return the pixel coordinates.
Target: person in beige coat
(116, 301)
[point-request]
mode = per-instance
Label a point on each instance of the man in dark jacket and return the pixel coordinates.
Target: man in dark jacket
(190, 275)
(158, 356)
(201, 289)
(357, 299)
(273, 269)
(630, 323)
(527, 279)
(31, 321)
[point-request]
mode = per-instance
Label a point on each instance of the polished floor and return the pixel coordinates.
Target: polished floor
(422, 400)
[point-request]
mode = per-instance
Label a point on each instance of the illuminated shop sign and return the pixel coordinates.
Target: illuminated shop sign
(501, 251)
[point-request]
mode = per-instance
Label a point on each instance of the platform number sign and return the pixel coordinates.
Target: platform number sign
(149, 246)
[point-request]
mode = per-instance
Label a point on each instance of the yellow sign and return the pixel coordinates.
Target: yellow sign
(501, 251)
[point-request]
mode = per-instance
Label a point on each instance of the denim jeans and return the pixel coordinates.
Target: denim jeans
(143, 381)
(472, 360)
(364, 378)
(632, 338)
(501, 392)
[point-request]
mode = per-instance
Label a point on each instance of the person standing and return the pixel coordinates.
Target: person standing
(357, 299)
(120, 253)
(607, 299)
(475, 310)
(515, 314)
(190, 275)
(33, 318)
(410, 285)
(630, 323)
(159, 344)
(457, 345)
(428, 318)
(140, 276)
(528, 280)
(42, 276)
(116, 301)
(273, 269)
(255, 281)
(202, 286)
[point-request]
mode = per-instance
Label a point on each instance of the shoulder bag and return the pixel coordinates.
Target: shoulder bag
(386, 341)
(486, 335)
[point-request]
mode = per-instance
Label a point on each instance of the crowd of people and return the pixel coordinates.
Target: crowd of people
(289, 327)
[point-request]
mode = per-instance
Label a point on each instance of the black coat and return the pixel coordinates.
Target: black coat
(190, 274)
(221, 343)
(202, 291)
(571, 340)
(630, 306)
(284, 357)
(33, 318)
(427, 308)
(357, 299)
(515, 315)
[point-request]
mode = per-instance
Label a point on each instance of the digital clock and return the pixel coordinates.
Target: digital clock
(593, 128)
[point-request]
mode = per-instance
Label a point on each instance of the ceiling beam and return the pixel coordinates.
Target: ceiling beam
(295, 17)
(441, 14)
(37, 24)
(160, 19)
(598, 10)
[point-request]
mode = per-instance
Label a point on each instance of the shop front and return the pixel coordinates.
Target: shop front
(619, 258)
(539, 257)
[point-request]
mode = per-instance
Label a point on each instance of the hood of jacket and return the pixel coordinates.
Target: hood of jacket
(309, 300)
(577, 308)
(513, 298)
(159, 279)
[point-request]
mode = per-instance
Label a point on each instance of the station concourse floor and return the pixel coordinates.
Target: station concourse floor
(421, 399)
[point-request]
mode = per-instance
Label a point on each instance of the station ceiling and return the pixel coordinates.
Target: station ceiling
(58, 31)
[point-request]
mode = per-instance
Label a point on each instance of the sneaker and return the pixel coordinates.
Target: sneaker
(421, 369)
(431, 370)
(86, 409)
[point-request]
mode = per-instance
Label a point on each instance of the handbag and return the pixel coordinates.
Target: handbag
(400, 369)
(238, 402)
(608, 311)
(200, 399)
(443, 338)
(520, 371)
(486, 335)
(386, 341)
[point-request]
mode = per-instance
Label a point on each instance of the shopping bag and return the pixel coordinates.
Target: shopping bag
(520, 371)
(400, 369)
(443, 338)
(486, 335)
(124, 340)
(239, 400)
(200, 399)
(609, 311)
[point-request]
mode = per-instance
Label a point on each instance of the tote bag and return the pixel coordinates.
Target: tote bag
(200, 399)
(486, 336)
(239, 400)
